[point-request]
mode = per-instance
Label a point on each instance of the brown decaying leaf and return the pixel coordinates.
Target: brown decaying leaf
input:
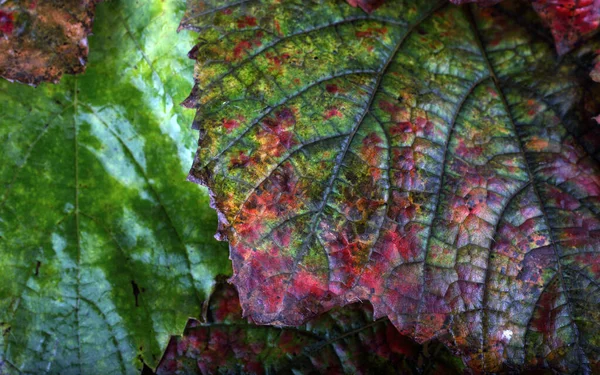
(40, 41)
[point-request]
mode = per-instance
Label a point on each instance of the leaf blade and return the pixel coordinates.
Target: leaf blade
(101, 262)
(324, 208)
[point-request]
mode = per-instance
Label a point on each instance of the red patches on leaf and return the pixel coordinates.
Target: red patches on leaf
(270, 272)
(546, 312)
(241, 48)
(388, 107)
(468, 151)
(308, 284)
(276, 61)
(332, 89)
(333, 112)
(371, 32)
(226, 306)
(492, 92)
(346, 256)
(246, 21)
(279, 195)
(276, 135)
(562, 199)
(402, 127)
(231, 124)
(534, 107)
(277, 27)
(366, 5)
(370, 35)
(396, 113)
(395, 243)
(242, 160)
(6, 22)
(421, 127)
(371, 148)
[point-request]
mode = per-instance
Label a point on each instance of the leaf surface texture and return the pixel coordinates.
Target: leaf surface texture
(429, 158)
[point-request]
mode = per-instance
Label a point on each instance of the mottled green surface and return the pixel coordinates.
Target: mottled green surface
(93, 201)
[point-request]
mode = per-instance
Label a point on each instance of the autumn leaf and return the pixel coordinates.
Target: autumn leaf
(428, 158)
(41, 40)
(345, 340)
(105, 249)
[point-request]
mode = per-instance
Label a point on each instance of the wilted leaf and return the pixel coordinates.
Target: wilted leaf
(41, 40)
(341, 341)
(105, 250)
(424, 157)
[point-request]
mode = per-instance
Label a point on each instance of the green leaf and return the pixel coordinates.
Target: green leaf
(105, 249)
(435, 160)
(342, 341)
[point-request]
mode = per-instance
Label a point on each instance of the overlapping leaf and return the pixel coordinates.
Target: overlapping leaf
(41, 40)
(341, 341)
(435, 160)
(570, 21)
(105, 250)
